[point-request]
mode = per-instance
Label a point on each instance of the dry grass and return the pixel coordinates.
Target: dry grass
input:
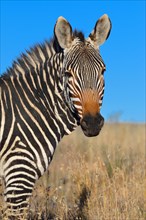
(99, 178)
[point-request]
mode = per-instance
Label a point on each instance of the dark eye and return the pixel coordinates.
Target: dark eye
(68, 74)
(103, 70)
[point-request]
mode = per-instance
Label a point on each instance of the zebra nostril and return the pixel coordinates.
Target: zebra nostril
(101, 123)
(84, 124)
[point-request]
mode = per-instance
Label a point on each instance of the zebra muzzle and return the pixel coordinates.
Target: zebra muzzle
(91, 125)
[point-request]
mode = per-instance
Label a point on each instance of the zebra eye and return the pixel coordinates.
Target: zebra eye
(68, 74)
(102, 72)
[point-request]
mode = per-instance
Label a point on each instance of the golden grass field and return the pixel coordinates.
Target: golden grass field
(100, 178)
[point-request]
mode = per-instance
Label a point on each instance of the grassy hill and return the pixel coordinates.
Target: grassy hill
(100, 178)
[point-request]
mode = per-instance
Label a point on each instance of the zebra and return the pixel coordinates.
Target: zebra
(49, 91)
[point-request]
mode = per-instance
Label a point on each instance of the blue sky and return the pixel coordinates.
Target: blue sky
(25, 23)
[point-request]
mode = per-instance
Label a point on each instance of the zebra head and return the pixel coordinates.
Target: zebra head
(83, 70)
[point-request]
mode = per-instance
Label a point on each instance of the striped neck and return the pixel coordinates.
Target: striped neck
(40, 72)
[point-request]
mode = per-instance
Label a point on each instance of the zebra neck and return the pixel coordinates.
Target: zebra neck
(54, 70)
(39, 74)
(49, 90)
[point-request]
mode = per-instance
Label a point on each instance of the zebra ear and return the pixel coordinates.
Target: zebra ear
(63, 32)
(101, 31)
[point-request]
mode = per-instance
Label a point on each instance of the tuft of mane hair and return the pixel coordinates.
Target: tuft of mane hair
(23, 59)
(79, 34)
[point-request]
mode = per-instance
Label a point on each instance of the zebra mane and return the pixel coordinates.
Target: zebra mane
(79, 34)
(38, 54)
